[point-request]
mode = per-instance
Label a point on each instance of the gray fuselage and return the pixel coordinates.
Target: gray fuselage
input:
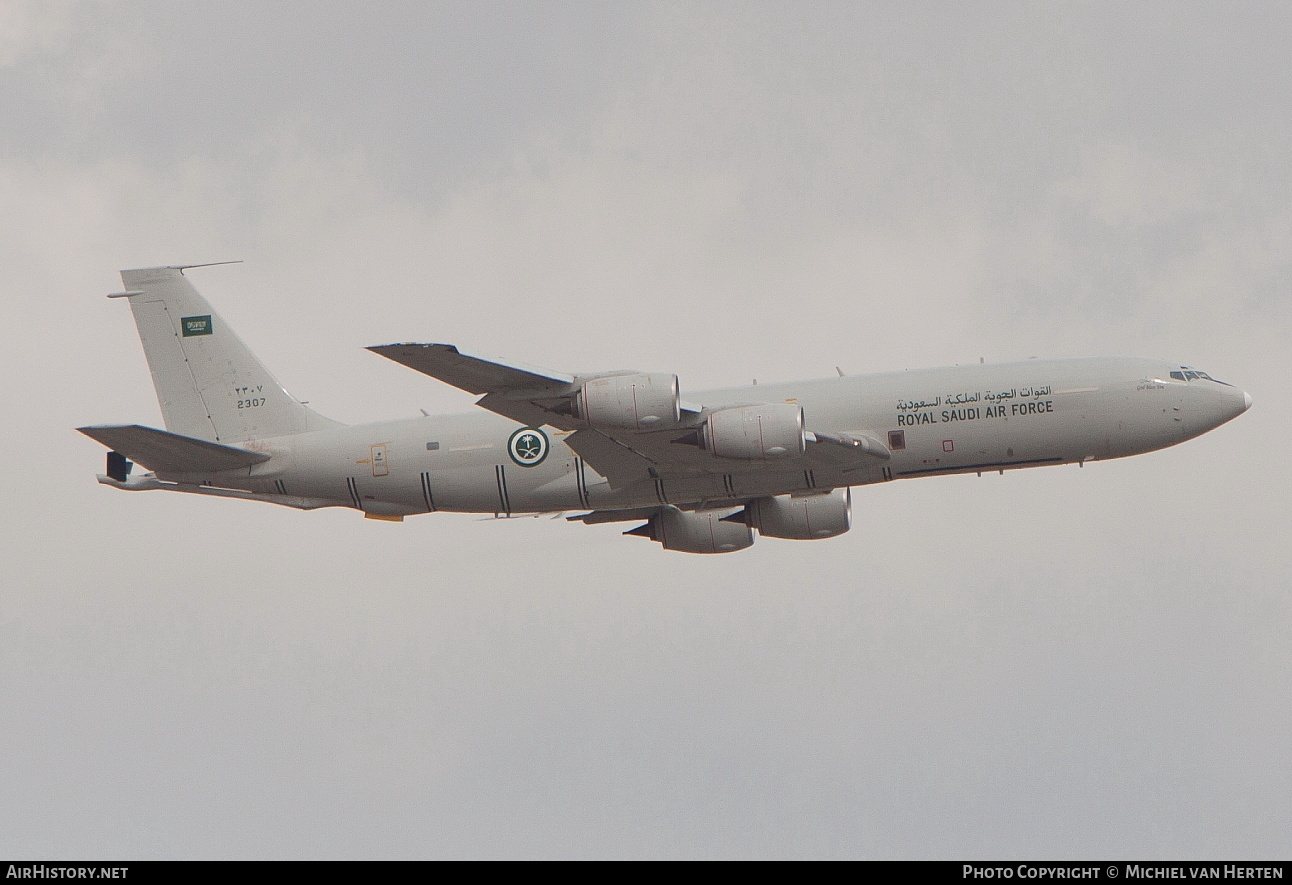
(933, 421)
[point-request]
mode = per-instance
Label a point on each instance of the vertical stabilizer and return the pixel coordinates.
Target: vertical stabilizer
(209, 385)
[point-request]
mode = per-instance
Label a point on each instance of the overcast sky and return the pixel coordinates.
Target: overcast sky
(1054, 663)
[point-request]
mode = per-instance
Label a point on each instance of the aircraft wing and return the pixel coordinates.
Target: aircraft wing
(164, 452)
(539, 397)
(474, 374)
(514, 390)
(624, 458)
(618, 462)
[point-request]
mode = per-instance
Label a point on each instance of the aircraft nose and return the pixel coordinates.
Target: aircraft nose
(1235, 403)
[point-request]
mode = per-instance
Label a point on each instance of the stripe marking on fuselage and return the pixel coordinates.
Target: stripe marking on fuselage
(504, 503)
(581, 483)
(426, 493)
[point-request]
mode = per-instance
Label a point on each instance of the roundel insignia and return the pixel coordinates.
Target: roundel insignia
(528, 446)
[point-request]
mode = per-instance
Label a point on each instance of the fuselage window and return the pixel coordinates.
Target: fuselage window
(1178, 376)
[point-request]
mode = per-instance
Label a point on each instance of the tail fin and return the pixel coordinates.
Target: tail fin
(209, 385)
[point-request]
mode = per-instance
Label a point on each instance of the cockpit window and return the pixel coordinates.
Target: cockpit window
(1187, 374)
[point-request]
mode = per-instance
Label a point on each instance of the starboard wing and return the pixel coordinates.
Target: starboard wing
(474, 374)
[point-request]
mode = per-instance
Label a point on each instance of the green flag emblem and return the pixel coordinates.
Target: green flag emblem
(190, 326)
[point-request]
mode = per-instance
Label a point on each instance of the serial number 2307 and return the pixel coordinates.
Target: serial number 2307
(251, 403)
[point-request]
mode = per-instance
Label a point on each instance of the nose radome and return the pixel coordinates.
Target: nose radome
(1247, 401)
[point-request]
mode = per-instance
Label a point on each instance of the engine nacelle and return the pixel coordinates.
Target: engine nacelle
(629, 402)
(696, 532)
(804, 518)
(755, 433)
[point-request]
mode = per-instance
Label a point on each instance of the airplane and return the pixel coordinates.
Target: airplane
(700, 473)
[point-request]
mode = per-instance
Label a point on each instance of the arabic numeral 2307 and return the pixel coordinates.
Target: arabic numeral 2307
(251, 403)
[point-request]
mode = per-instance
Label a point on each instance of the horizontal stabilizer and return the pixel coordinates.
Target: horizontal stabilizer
(164, 452)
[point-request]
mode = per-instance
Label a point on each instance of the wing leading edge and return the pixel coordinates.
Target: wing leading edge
(474, 374)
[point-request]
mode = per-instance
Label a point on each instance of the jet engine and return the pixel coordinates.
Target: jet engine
(801, 518)
(643, 401)
(752, 433)
(695, 532)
